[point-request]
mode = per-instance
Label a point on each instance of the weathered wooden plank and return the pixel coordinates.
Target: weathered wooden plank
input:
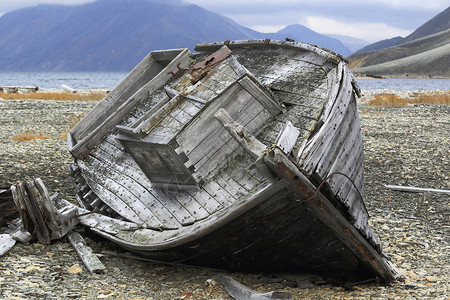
(413, 189)
(205, 200)
(340, 140)
(241, 175)
(29, 194)
(148, 207)
(110, 117)
(220, 144)
(221, 195)
(49, 211)
(334, 84)
(165, 55)
(230, 186)
(287, 137)
(136, 126)
(245, 139)
(6, 243)
(157, 115)
(235, 45)
(96, 220)
(211, 150)
(189, 203)
(124, 188)
(256, 90)
(107, 196)
(90, 260)
(158, 201)
(203, 127)
(317, 145)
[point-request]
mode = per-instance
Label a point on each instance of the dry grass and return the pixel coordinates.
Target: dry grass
(28, 136)
(394, 100)
(71, 122)
(95, 96)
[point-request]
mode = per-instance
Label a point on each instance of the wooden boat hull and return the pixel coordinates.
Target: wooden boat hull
(246, 156)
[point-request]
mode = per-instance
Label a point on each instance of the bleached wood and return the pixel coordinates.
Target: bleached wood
(101, 120)
(287, 138)
(6, 243)
(413, 189)
(90, 260)
(247, 141)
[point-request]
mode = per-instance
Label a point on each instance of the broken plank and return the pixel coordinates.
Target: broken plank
(90, 260)
(6, 243)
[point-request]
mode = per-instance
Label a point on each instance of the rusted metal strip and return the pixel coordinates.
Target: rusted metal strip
(201, 69)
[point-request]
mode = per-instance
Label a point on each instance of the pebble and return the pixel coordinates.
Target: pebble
(403, 146)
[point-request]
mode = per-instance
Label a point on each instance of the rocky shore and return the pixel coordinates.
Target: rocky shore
(403, 146)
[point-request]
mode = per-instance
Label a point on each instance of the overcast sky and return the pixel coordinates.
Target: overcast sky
(370, 20)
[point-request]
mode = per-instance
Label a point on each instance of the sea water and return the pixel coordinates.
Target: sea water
(103, 80)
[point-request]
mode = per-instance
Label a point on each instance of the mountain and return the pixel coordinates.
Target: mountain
(440, 22)
(353, 44)
(114, 35)
(301, 33)
(426, 52)
(381, 44)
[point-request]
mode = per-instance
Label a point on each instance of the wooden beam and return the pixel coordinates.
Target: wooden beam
(245, 139)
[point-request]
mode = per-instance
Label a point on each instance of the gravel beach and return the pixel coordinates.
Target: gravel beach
(403, 146)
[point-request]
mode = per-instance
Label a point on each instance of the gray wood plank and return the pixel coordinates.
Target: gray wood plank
(105, 123)
(109, 197)
(205, 200)
(155, 202)
(221, 195)
(190, 204)
(90, 260)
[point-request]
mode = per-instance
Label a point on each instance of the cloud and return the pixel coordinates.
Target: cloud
(9, 5)
(369, 31)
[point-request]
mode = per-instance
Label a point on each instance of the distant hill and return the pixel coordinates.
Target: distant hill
(301, 33)
(381, 44)
(440, 22)
(353, 44)
(428, 54)
(114, 35)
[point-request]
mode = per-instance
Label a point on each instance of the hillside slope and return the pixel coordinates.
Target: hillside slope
(439, 23)
(425, 52)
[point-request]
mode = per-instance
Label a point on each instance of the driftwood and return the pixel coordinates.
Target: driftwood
(90, 260)
(21, 89)
(38, 214)
(68, 88)
(241, 292)
(413, 189)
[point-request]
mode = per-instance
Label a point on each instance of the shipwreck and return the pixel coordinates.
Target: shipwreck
(245, 155)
